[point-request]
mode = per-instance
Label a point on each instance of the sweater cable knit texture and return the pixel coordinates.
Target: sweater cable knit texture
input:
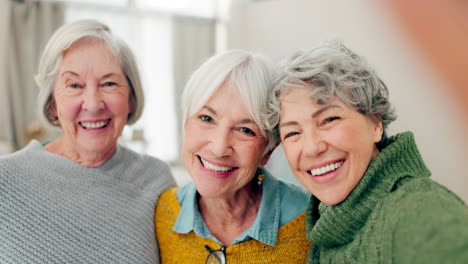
(53, 210)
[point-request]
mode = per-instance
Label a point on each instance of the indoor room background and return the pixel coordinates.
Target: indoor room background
(171, 38)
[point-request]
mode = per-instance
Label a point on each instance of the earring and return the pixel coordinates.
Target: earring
(260, 178)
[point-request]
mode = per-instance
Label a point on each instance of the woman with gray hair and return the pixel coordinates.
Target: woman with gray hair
(234, 211)
(373, 201)
(82, 198)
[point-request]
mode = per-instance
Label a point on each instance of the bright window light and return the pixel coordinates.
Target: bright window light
(205, 8)
(100, 2)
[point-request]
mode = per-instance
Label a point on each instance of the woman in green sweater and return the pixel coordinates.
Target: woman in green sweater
(373, 201)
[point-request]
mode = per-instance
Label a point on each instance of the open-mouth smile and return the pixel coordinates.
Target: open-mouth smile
(94, 124)
(215, 168)
(326, 169)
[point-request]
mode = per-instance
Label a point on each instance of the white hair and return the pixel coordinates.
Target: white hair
(250, 73)
(63, 39)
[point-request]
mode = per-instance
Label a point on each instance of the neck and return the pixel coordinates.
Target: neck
(81, 156)
(228, 217)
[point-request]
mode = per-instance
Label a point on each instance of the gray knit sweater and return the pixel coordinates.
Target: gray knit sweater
(53, 210)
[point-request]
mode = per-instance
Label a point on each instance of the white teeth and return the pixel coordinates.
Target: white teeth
(213, 167)
(326, 168)
(91, 125)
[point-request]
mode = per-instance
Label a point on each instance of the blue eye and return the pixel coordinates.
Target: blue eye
(110, 84)
(206, 118)
(247, 131)
(74, 86)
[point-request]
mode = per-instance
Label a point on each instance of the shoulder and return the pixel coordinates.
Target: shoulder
(167, 209)
(428, 217)
(132, 157)
(417, 198)
(168, 200)
(147, 170)
(21, 158)
(424, 192)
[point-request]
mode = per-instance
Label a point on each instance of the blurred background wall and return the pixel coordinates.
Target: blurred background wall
(172, 38)
(418, 91)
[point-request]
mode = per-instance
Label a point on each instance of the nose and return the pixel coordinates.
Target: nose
(93, 100)
(221, 143)
(314, 144)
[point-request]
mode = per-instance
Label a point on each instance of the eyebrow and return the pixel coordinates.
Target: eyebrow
(210, 109)
(290, 123)
(108, 75)
(77, 75)
(70, 72)
(323, 109)
(314, 115)
(247, 121)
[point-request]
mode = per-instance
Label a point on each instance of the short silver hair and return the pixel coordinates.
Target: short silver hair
(250, 73)
(52, 56)
(332, 69)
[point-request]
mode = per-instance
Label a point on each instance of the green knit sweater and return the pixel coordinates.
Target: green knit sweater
(396, 214)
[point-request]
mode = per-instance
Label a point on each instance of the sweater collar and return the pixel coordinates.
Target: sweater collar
(337, 225)
(116, 160)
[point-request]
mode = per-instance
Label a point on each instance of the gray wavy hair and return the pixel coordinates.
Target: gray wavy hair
(52, 56)
(332, 69)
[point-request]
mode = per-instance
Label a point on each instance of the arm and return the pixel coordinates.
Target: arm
(431, 228)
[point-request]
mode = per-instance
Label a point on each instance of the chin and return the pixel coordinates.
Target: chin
(332, 199)
(206, 190)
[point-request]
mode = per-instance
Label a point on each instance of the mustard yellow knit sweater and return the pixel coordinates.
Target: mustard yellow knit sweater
(291, 245)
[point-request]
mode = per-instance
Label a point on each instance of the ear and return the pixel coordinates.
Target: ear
(265, 158)
(377, 129)
(53, 108)
(131, 104)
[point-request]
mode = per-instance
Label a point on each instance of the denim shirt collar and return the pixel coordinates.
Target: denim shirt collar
(264, 229)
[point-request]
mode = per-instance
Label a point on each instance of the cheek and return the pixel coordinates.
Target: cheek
(254, 149)
(357, 143)
(66, 107)
(191, 137)
(119, 104)
(346, 138)
(291, 155)
(252, 155)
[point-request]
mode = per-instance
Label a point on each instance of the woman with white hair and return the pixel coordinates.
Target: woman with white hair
(373, 200)
(82, 198)
(234, 211)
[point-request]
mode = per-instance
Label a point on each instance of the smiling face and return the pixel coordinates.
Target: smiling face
(329, 146)
(91, 96)
(222, 145)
